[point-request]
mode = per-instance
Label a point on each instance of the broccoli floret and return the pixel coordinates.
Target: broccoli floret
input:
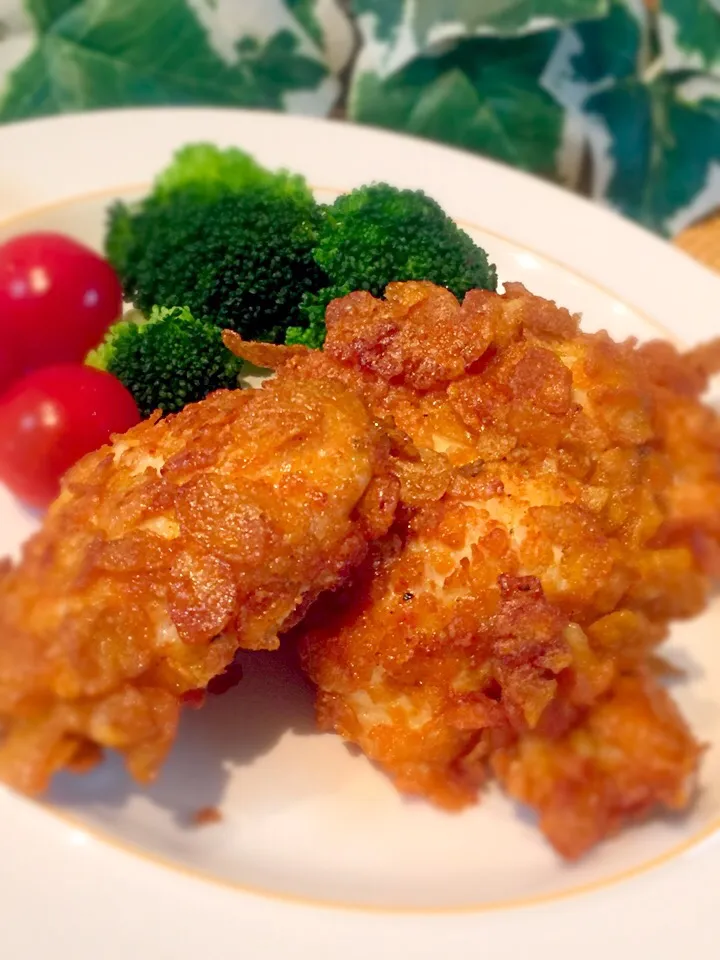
(312, 335)
(120, 237)
(377, 234)
(242, 261)
(168, 360)
(215, 172)
(251, 250)
(224, 237)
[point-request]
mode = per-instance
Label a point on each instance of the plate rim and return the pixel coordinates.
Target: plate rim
(510, 903)
(572, 206)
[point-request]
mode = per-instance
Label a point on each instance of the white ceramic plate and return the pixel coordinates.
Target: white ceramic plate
(316, 855)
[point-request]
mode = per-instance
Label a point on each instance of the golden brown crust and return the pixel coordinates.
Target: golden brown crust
(538, 503)
(632, 753)
(183, 540)
(269, 356)
(521, 596)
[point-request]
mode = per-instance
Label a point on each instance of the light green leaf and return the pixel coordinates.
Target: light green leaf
(484, 96)
(658, 148)
(690, 35)
(106, 53)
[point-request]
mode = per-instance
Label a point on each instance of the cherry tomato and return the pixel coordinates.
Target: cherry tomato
(57, 299)
(11, 366)
(52, 417)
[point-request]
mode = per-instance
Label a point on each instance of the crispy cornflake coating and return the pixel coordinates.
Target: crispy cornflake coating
(166, 551)
(561, 506)
(629, 753)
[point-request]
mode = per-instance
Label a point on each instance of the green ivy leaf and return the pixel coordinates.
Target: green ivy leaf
(45, 12)
(30, 93)
(612, 47)
(305, 13)
(457, 18)
(593, 55)
(484, 96)
(653, 144)
(387, 15)
(428, 23)
(690, 35)
(106, 53)
(275, 67)
(662, 143)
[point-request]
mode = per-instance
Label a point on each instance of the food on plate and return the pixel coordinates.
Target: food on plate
(379, 233)
(474, 521)
(52, 417)
(560, 505)
(206, 816)
(222, 236)
(168, 360)
(251, 250)
(11, 365)
(57, 299)
(630, 752)
(185, 539)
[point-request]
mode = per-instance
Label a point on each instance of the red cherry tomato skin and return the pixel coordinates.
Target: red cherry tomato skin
(11, 365)
(57, 298)
(50, 419)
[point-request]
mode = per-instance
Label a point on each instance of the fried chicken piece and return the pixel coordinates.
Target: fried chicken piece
(575, 510)
(182, 541)
(632, 753)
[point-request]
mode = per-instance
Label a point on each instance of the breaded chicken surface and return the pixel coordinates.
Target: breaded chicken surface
(169, 549)
(509, 620)
(629, 753)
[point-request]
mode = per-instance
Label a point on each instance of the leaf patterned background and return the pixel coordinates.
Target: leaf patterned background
(619, 98)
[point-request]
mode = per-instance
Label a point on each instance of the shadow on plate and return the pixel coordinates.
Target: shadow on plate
(230, 731)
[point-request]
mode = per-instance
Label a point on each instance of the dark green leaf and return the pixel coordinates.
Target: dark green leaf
(485, 96)
(610, 47)
(690, 34)
(593, 55)
(277, 68)
(663, 143)
(433, 21)
(626, 111)
(106, 53)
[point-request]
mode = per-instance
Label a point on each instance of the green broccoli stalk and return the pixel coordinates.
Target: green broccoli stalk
(377, 234)
(221, 235)
(168, 360)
